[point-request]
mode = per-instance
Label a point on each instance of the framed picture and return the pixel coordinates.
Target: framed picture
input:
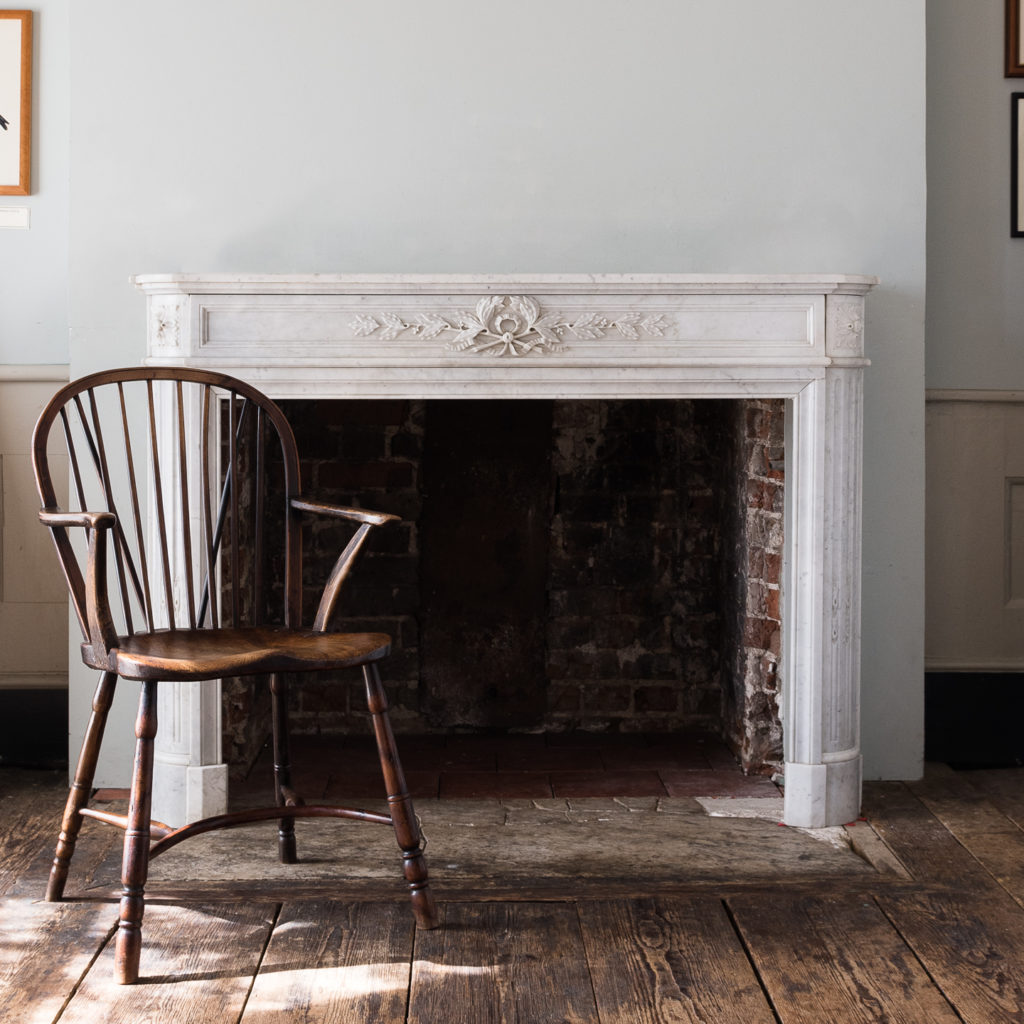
(15, 102)
(1017, 167)
(1014, 40)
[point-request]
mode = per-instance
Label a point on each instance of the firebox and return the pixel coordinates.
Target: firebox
(594, 564)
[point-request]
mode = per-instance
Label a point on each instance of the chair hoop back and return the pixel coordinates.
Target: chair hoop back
(184, 460)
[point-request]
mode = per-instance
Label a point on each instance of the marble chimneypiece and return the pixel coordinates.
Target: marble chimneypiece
(584, 349)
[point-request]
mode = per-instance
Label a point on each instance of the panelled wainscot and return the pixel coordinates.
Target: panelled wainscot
(794, 337)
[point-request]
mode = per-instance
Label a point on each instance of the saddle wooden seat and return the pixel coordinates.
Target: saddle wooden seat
(188, 654)
(188, 598)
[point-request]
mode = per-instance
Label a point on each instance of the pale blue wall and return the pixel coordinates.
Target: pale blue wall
(975, 269)
(34, 263)
(460, 135)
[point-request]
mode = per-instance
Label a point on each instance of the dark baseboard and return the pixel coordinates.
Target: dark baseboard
(34, 728)
(973, 719)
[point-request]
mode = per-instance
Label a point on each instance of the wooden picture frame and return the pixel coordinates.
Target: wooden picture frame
(15, 102)
(1014, 40)
(1017, 166)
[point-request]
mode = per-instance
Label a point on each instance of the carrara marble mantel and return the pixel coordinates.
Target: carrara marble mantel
(795, 337)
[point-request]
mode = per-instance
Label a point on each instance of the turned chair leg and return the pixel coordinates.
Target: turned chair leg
(283, 769)
(81, 788)
(403, 817)
(135, 863)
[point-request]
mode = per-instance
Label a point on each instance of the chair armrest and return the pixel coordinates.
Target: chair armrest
(346, 560)
(358, 515)
(102, 634)
(90, 520)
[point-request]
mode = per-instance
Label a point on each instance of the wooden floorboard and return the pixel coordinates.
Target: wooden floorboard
(926, 929)
(973, 948)
(198, 965)
(925, 847)
(836, 959)
(370, 890)
(31, 803)
(499, 963)
(45, 951)
(1004, 788)
(330, 962)
(661, 960)
(994, 840)
(97, 856)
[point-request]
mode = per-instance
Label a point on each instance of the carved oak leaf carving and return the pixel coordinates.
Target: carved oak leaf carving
(465, 339)
(654, 325)
(364, 325)
(526, 307)
(393, 326)
(627, 326)
(431, 325)
(588, 326)
(546, 327)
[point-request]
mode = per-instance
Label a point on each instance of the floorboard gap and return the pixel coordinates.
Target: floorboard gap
(111, 932)
(750, 959)
(259, 963)
(924, 967)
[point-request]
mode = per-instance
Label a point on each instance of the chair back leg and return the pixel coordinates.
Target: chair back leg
(135, 863)
(81, 788)
(283, 790)
(403, 817)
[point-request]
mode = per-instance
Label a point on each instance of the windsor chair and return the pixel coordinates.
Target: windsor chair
(189, 599)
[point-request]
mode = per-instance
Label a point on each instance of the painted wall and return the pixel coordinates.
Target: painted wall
(34, 263)
(975, 269)
(975, 362)
(577, 136)
(33, 358)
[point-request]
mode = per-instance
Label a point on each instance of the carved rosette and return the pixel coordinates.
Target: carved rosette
(165, 317)
(507, 325)
(844, 327)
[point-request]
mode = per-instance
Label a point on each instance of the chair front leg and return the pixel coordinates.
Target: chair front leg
(403, 817)
(81, 788)
(283, 769)
(135, 863)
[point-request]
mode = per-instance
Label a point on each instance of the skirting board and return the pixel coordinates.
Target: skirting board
(974, 718)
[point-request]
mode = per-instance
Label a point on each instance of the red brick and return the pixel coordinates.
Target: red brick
(480, 785)
(758, 633)
(607, 698)
(378, 475)
(655, 698)
(714, 783)
(623, 783)
(665, 752)
(549, 759)
(564, 697)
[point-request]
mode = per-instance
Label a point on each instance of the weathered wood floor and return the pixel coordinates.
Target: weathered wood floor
(932, 930)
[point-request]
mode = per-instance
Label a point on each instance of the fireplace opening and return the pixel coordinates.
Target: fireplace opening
(585, 564)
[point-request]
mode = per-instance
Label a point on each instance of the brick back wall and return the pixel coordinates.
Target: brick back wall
(659, 618)
(362, 453)
(366, 454)
(634, 623)
(752, 615)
